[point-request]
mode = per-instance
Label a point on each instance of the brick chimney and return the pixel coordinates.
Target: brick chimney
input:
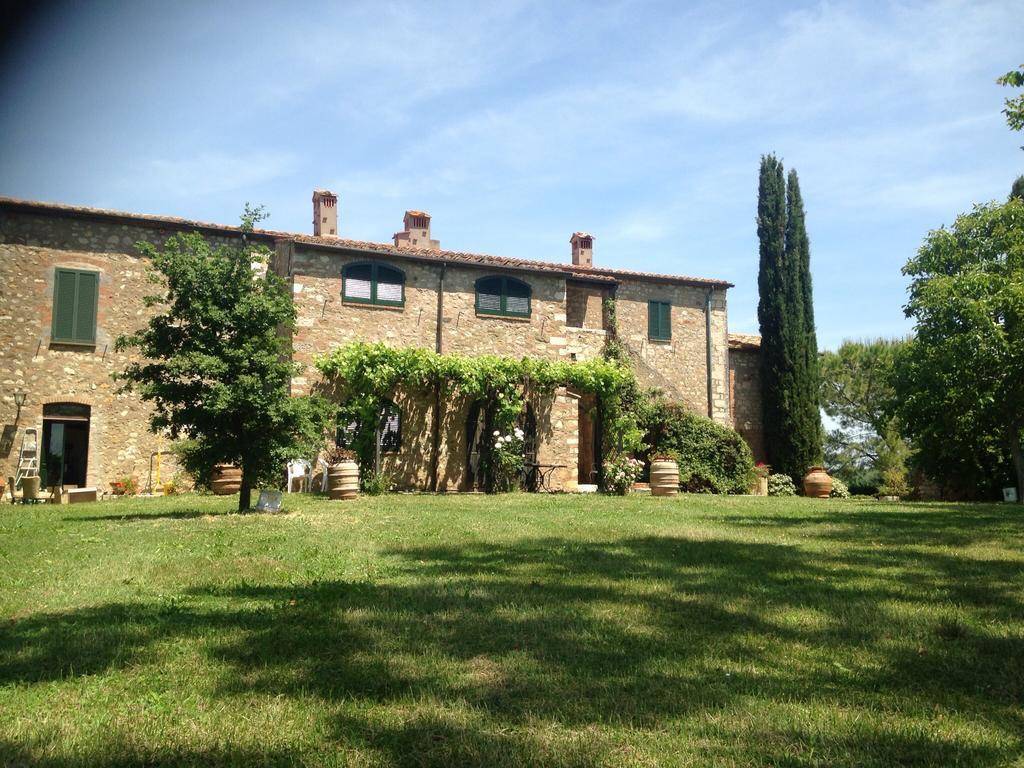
(582, 249)
(325, 213)
(417, 232)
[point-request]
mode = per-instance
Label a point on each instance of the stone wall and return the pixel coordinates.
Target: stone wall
(678, 367)
(566, 322)
(326, 322)
(745, 385)
(31, 247)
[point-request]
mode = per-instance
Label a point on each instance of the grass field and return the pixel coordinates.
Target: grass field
(513, 630)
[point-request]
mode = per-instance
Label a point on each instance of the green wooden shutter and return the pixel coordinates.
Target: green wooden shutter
(65, 284)
(85, 307)
(75, 296)
(659, 320)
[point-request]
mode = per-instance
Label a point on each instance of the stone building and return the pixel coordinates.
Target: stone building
(72, 280)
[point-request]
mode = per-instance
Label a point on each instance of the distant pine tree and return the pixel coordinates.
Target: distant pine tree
(1017, 191)
(789, 353)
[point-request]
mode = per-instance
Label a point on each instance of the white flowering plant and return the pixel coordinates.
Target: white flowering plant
(508, 456)
(620, 473)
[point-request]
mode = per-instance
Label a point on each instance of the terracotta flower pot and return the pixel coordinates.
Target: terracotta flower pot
(343, 480)
(664, 477)
(226, 480)
(817, 483)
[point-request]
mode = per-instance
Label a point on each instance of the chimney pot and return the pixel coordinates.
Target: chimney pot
(325, 213)
(582, 249)
(416, 232)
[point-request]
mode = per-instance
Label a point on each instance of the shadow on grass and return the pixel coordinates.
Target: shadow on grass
(632, 633)
(133, 516)
(912, 524)
(157, 514)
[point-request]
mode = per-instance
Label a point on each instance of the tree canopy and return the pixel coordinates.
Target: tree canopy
(215, 366)
(857, 392)
(960, 382)
(1014, 109)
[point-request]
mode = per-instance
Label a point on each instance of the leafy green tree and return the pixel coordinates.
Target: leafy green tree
(216, 367)
(857, 392)
(789, 364)
(960, 382)
(1014, 109)
(1018, 188)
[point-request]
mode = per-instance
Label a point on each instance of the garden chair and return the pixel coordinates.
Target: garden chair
(324, 466)
(302, 470)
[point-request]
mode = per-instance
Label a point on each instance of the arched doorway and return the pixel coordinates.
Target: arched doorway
(65, 444)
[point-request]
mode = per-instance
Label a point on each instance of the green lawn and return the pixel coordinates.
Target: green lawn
(513, 630)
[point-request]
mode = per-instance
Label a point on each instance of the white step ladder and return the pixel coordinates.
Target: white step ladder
(28, 457)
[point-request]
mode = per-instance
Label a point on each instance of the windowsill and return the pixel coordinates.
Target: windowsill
(596, 331)
(513, 318)
(72, 346)
(368, 305)
(666, 342)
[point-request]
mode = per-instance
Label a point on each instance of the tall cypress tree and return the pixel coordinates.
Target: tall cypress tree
(808, 435)
(771, 234)
(789, 355)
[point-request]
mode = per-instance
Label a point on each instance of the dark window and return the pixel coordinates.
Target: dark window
(659, 320)
(373, 283)
(346, 430)
(75, 294)
(502, 296)
(390, 428)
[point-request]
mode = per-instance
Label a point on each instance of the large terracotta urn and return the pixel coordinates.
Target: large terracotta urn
(343, 480)
(817, 483)
(226, 479)
(664, 477)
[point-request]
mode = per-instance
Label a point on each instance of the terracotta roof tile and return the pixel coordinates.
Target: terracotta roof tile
(744, 341)
(571, 271)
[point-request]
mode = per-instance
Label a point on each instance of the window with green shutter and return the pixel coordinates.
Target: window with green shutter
(659, 320)
(373, 283)
(75, 295)
(502, 296)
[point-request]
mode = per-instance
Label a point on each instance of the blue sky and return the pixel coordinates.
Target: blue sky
(516, 123)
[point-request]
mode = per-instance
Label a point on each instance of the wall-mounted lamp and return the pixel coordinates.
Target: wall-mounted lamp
(19, 400)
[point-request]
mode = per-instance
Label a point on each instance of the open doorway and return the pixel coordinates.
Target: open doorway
(590, 437)
(65, 444)
(476, 428)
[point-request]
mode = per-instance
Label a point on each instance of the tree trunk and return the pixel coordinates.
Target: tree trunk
(1017, 452)
(245, 491)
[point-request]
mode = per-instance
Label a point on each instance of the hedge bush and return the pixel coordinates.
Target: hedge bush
(781, 484)
(839, 489)
(712, 458)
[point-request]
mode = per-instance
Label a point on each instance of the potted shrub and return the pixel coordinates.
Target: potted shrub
(761, 472)
(664, 475)
(342, 474)
(894, 485)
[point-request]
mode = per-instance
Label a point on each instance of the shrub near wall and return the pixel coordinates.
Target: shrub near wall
(712, 458)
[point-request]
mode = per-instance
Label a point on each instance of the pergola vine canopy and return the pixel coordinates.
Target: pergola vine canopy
(365, 375)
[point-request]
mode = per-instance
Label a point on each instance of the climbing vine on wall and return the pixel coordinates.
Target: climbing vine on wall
(366, 375)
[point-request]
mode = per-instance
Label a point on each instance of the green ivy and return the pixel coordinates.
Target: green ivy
(365, 375)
